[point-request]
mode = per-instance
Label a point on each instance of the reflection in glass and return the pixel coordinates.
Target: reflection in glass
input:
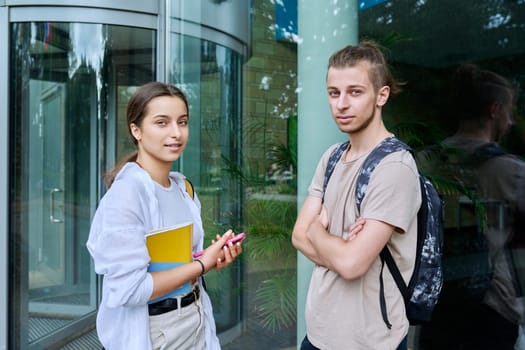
(211, 80)
(427, 41)
(64, 104)
(482, 240)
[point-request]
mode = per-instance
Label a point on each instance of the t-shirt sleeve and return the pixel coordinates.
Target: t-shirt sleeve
(393, 194)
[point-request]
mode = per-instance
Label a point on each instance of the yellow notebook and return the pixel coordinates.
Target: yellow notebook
(170, 247)
(171, 244)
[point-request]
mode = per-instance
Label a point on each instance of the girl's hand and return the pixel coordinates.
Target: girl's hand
(219, 255)
(230, 252)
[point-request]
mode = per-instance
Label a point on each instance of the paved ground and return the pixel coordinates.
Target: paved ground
(256, 337)
(253, 338)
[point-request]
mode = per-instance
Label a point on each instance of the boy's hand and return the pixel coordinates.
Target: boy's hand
(354, 229)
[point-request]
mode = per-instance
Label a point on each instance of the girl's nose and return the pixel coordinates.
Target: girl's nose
(175, 130)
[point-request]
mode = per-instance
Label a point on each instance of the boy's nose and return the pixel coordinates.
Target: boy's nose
(342, 101)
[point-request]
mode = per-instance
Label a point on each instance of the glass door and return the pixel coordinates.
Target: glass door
(47, 242)
(211, 83)
(70, 84)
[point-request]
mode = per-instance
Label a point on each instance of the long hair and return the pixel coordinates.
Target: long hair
(135, 113)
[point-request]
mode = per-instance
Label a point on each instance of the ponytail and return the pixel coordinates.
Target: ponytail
(109, 177)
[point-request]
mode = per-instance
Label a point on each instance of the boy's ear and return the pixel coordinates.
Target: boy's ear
(495, 110)
(382, 96)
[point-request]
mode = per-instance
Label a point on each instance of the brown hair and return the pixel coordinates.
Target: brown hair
(135, 113)
(370, 52)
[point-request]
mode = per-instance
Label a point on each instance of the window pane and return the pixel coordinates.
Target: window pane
(65, 78)
(481, 305)
(211, 82)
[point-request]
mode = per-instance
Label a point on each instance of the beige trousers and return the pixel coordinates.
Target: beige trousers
(179, 329)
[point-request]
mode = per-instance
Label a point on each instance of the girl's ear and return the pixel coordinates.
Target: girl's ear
(135, 131)
(382, 96)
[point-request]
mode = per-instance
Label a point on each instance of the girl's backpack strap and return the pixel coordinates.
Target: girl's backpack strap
(189, 188)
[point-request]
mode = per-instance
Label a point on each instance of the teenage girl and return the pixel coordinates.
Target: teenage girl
(144, 195)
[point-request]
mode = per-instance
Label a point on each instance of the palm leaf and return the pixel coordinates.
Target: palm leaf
(276, 301)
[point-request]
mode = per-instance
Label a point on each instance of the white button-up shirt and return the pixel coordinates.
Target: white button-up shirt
(127, 212)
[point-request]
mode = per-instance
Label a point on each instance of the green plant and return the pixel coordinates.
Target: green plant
(270, 226)
(269, 218)
(248, 176)
(275, 300)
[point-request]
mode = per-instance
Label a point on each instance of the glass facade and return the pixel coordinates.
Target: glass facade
(463, 71)
(211, 78)
(69, 82)
(71, 70)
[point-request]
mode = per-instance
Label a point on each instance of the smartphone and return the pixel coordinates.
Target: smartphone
(237, 238)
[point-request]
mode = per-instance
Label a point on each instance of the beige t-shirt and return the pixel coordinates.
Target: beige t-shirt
(346, 314)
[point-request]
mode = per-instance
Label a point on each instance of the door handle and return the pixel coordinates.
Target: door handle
(52, 205)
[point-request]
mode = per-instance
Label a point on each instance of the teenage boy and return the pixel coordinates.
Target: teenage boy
(343, 303)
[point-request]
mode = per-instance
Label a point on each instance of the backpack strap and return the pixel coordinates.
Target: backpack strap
(386, 257)
(332, 161)
(189, 188)
(382, 301)
(487, 152)
(191, 192)
(387, 146)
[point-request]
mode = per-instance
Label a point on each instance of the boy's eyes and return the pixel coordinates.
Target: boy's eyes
(352, 92)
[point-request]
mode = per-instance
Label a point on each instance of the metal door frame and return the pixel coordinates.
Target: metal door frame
(4, 172)
(38, 13)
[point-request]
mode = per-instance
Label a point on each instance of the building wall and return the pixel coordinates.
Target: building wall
(266, 110)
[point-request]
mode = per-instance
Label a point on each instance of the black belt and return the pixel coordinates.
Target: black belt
(170, 304)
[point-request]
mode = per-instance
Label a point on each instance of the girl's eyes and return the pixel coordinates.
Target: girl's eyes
(333, 93)
(162, 122)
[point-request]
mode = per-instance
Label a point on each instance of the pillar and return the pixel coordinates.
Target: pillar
(323, 28)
